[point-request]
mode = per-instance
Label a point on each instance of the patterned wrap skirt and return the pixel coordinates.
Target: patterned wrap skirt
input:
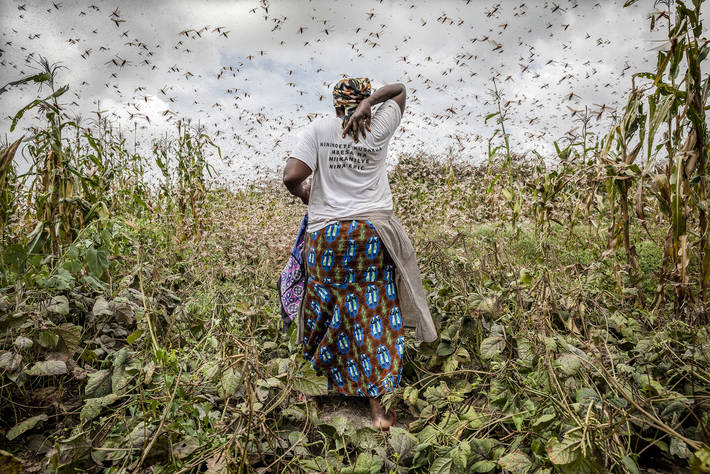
(353, 328)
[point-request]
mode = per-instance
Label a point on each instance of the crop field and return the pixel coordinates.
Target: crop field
(140, 326)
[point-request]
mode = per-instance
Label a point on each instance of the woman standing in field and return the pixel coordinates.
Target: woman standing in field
(362, 282)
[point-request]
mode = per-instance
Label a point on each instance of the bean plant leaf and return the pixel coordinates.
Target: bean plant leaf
(48, 338)
(460, 454)
(10, 361)
(679, 448)
(442, 465)
(366, 463)
(101, 308)
(97, 259)
(700, 460)
(630, 465)
(98, 384)
(59, 305)
(22, 342)
(48, 367)
(492, 346)
(569, 363)
(483, 466)
(310, 383)
(562, 452)
(543, 420)
(402, 441)
(25, 425)
(134, 336)
(516, 462)
(93, 406)
(69, 338)
(228, 383)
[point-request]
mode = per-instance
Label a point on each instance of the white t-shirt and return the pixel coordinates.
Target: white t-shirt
(348, 178)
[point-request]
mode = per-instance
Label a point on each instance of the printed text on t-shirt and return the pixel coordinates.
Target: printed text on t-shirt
(347, 155)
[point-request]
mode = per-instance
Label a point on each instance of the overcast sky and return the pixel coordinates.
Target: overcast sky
(254, 72)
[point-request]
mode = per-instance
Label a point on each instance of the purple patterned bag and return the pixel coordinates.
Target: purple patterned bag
(292, 282)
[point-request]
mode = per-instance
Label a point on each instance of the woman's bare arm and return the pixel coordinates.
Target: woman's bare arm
(295, 173)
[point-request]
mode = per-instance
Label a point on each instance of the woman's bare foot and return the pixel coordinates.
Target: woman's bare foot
(380, 419)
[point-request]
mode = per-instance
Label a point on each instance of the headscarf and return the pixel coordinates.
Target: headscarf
(349, 92)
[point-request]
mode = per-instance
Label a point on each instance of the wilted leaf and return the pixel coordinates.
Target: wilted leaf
(93, 406)
(525, 348)
(340, 424)
(184, 448)
(48, 367)
(482, 446)
(483, 466)
(402, 441)
(630, 465)
(516, 462)
(140, 435)
(62, 280)
(679, 448)
(310, 383)
(444, 348)
(25, 425)
(210, 369)
(586, 394)
(22, 342)
(569, 363)
(101, 308)
(98, 384)
(122, 376)
(244, 309)
(228, 383)
(295, 412)
(123, 311)
(543, 420)
(492, 346)
(59, 305)
(700, 460)
(562, 452)
(366, 463)
(460, 454)
(120, 357)
(217, 464)
(93, 282)
(69, 338)
(10, 361)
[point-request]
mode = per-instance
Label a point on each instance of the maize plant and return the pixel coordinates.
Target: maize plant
(511, 192)
(8, 187)
(682, 191)
(64, 190)
(192, 172)
(621, 174)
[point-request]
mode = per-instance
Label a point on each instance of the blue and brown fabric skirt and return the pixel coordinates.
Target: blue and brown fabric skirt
(353, 328)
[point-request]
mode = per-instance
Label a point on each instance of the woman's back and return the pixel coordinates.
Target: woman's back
(348, 178)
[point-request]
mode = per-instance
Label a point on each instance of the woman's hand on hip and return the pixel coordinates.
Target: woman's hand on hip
(305, 193)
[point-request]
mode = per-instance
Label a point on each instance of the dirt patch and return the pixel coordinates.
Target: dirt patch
(354, 409)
